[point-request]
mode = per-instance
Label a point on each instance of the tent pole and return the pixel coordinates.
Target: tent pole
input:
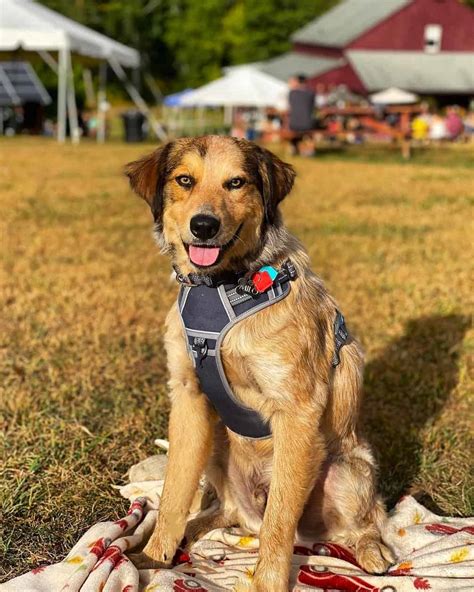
(62, 84)
(154, 88)
(228, 115)
(136, 78)
(101, 98)
(89, 87)
(138, 100)
(49, 60)
(71, 102)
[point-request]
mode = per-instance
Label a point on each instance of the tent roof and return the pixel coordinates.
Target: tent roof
(291, 63)
(229, 69)
(346, 21)
(445, 72)
(31, 26)
(393, 96)
(175, 99)
(242, 87)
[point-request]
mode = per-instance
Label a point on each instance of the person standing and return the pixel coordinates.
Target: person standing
(301, 100)
(453, 122)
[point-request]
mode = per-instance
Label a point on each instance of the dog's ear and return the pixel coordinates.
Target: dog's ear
(147, 178)
(276, 177)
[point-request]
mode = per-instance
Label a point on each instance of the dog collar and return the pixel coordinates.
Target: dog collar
(211, 281)
(251, 283)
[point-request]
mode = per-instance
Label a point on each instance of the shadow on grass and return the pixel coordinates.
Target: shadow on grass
(406, 387)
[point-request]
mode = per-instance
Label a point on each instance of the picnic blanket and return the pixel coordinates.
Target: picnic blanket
(433, 553)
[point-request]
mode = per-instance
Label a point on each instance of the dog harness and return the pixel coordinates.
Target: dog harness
(209, 310)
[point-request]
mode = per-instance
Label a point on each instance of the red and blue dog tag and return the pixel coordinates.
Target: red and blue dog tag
(263, 279)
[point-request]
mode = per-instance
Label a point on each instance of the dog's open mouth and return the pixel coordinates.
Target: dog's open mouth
(207, 255)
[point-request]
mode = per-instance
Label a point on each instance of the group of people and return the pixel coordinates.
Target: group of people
(455, 123)
(438, 127)
(300, 125)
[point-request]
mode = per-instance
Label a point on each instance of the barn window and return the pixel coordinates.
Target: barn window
(433, 34)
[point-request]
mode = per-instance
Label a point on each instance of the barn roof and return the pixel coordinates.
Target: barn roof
(291, 63)
(445, 72)
(346, 21)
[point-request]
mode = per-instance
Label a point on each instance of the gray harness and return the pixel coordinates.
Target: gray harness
(208, 312)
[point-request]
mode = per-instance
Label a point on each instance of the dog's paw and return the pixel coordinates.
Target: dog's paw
(204, 523)
(158, 552)
(374, 557)
(269, 576)
(144, 561)
(265, 585)
(195, 529)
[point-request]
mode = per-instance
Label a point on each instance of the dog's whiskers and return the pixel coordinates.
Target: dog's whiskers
(238, 238)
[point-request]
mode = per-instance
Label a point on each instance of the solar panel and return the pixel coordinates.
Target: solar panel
(19, 84)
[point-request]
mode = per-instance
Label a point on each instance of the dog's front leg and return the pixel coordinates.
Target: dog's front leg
(190, 438)
(298, 452)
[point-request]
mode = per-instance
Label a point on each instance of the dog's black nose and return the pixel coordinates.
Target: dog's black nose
(204, 227)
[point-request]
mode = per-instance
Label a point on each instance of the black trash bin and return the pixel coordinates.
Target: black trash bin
(134, 126)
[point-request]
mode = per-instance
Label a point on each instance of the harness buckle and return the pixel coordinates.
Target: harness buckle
(290, 269)
(288, 272)
(201, 348)
(341, 335)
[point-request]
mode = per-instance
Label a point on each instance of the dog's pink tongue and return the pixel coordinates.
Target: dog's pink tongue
(203, 255)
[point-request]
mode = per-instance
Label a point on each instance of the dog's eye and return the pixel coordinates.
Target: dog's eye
(184, 181)
(236, 183)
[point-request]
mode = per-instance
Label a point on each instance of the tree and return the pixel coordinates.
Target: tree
(210, 34)
(196, 38)
(265, 27)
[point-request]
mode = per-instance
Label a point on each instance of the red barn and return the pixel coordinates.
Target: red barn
(424, 46)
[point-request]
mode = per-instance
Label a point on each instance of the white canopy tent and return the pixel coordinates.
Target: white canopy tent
(26, 25)
(242, 87)
(393, 96)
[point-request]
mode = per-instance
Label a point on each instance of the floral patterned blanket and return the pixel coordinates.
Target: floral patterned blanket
(433, 553)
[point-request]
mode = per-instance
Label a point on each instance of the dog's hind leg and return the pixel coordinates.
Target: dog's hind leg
(345, 508)
(356, 511)
(344, 504)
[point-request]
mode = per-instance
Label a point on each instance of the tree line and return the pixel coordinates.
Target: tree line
(187, 42)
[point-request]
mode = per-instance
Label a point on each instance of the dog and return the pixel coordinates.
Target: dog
(290, 368)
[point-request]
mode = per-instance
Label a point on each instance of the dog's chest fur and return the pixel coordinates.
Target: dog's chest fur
(251, 366)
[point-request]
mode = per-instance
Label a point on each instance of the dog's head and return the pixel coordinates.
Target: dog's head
(213, 199)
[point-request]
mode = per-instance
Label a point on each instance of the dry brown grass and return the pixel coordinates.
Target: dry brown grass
(84, 294)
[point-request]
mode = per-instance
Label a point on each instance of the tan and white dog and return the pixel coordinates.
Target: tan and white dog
(315, 475)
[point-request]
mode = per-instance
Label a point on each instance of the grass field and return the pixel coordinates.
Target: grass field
(84, 293)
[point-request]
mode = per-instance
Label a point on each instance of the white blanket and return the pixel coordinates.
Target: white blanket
(433, 553)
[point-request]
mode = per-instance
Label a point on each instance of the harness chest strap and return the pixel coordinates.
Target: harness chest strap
(208, 313)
